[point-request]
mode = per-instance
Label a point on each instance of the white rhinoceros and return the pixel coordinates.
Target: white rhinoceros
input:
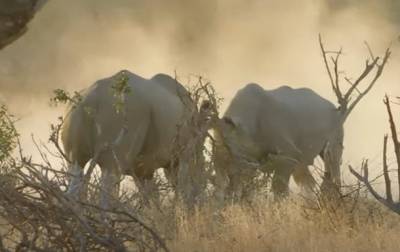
(286, 128)
(140, 138)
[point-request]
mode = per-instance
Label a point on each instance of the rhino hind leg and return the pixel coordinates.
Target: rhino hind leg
(171, 172)
(149, 190)
(75, 173)
(76, 176)
(303, 177)
(145, 182)
(280, 181)
(110, 180)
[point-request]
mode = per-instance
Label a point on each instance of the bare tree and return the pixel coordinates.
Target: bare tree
(388, 201)
(347, 98)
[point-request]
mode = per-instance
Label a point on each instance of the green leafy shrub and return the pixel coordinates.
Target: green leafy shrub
(8, 134)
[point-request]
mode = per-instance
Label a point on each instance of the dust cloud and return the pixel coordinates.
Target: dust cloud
(70, 44)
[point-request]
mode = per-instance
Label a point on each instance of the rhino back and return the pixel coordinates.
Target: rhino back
(310, 121)
(302, 102)
(146, 101)
(308, 113)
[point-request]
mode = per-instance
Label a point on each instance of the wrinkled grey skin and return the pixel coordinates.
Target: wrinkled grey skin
(14, 17)
(284, 129)
(154, 108)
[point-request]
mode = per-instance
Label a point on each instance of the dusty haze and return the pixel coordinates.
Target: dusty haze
(72, 43)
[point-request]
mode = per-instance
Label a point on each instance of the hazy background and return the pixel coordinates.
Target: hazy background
(71, 44)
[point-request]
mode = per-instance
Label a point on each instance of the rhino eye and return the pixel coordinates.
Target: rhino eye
(228, 121)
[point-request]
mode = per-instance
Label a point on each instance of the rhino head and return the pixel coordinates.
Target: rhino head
(235, 143)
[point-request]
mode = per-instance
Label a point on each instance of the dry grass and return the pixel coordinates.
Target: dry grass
(288, 226)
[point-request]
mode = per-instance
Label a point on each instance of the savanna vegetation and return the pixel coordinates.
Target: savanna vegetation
(37, 215)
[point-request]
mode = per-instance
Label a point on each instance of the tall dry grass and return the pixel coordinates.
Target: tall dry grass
(288, 226)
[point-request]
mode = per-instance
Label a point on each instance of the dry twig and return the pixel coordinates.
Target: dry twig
(388, 201)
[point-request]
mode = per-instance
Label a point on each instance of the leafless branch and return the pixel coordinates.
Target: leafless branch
(365, 180)
(328, 69)
(395, 139)
(388, 201)
(378, 73)
(344, 98)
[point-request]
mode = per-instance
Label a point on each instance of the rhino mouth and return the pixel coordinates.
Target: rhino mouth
(265, 163)
(245, 160)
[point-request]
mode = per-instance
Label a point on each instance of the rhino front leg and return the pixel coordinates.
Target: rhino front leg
(332, 157)
(331, 183)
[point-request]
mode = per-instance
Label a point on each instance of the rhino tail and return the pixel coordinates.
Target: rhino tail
(303, 177)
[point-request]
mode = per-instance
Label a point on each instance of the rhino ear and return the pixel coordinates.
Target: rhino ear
(228, 121)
